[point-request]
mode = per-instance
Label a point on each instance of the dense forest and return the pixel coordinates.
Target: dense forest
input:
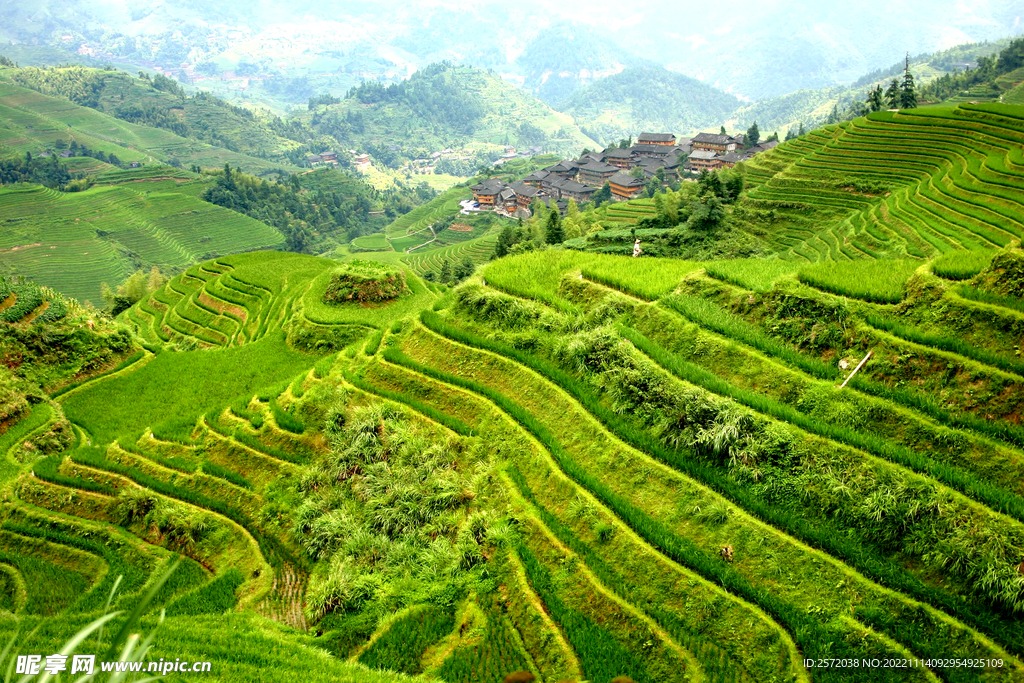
(49, 172)
(315, 211)
(988, 69)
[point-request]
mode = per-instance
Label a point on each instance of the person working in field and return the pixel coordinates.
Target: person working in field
(636, 248)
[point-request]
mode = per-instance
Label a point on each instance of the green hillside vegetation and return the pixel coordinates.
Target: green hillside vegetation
(561, 59)
(590, 466)
(439, 106)
(842, 192)
(76, 241)
(32, 121)
(647, 99)
(995, 75)
(160, 102)
(941, 73)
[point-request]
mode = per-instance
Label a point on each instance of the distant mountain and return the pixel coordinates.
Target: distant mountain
(443, 105)
(813, 106)
(648, 99)
(564, 58)
(755, 51)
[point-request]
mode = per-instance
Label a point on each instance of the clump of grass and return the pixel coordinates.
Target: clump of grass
(177, 429)
(215, 597)
(215, 470)
(647, 278)
(286, 420)
(755, 274)
(986, 297)
(373, 343)
(879, 281)
(961, 265)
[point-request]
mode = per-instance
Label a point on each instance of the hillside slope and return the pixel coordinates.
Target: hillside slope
(648, 99)
(76, 241)
(162, 103)
(32, 121)
(579, 465)
(918, 182)
(444, 105)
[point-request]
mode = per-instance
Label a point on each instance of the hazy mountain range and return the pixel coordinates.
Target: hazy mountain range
(706, 60)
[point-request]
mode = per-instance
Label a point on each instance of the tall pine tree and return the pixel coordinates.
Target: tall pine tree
(908, 93)
(554, 233)
(753, 135)
(876, 99)
(892, 94)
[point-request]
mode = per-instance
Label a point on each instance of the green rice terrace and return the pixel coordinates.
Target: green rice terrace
(576, 465)
(916, 183)
(76, 241)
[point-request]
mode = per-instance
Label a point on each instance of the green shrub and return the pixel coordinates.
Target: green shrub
(365, 282)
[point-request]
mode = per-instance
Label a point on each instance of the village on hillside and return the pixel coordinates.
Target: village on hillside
(627, 171)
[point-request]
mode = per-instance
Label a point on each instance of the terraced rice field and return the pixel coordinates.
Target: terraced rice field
(73, 241)
(694, 497)
(910, 184)
(31, 122)
(478, 250)
(238, 300)
(375, 242)
(627, 213)
(672, 511)
(422, 217)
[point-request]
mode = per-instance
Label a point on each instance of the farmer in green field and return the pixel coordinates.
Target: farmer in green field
(636, 248)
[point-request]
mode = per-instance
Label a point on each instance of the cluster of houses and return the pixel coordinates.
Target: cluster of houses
(657, 154)
(326, 158)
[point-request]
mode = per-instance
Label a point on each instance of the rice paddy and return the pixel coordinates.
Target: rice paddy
(955, 185)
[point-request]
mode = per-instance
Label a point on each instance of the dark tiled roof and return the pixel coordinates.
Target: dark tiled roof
(538, 175)
(703, 154)
(524, 190)
(657, 137)
(598, 167)
(617, 153)
(563, 166)
(624, 180)
(712, 138)
(488, 187)
(574, 187)
(651, 149)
